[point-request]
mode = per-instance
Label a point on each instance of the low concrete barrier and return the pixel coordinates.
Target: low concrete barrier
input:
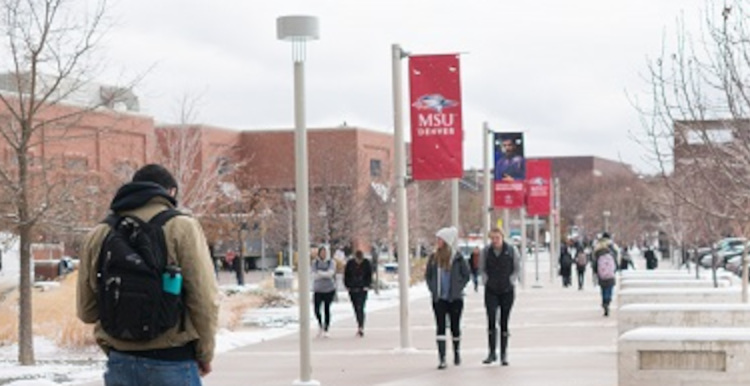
(659, 283)
(678, 295)
(669, 356)
(632, 316)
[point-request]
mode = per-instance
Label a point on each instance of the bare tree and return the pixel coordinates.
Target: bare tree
(49, 59)
(199, 170)
(696, 123)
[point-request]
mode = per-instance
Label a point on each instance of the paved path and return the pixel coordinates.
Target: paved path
(559, 337)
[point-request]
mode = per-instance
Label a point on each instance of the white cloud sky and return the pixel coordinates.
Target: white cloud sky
(560, 71)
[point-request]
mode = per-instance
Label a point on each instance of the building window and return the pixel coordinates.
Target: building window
(223, 166)
(76, 163)
(375, 168)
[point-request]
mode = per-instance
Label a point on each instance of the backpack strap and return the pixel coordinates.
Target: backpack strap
(162, 217)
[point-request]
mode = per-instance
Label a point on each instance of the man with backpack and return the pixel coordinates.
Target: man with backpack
(147, 282)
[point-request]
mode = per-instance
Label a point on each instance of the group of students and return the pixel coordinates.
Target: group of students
(447, 273)
(603, 256)
(357, 280)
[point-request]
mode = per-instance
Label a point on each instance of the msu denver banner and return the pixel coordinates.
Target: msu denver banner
(436, 126)
(510, 170)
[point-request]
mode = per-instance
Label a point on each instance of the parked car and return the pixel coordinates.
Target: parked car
(725, 248)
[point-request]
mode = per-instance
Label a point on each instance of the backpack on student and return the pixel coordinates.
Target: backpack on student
(606, 266)
(139, 291)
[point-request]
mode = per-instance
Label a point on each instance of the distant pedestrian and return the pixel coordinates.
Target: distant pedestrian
(625, 261)
(500, 268)
(474, 265)
(358, 280)
(235, 262)
(566, 263)
(651, 261)
(605, 254)
(324, 289)
(581, 261)
(446, 275)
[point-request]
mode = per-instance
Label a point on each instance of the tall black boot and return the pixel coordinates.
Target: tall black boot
(492, 344)
(456, 351)
(504, 348)
(441, 354)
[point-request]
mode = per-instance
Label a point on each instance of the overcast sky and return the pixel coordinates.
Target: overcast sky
(560, 71)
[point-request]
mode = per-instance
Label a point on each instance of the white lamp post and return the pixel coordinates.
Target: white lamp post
(298, 30)
(606, 214)
(289, 197)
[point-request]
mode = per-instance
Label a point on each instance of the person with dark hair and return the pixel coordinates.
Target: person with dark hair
(500, 268)
(474, 265)
(446, 275)
(324, 289)
(182, 353)
(358, 280)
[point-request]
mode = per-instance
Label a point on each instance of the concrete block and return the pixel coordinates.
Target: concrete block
(679, 295)
(669, 356)
(632, 316)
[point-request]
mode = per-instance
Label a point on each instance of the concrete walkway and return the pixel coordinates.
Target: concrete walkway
(559, 337)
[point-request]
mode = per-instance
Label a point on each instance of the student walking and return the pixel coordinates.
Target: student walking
(474, 261)
(500, 267)
(581, 261)
(605, 254)
(324, 289)
(446, 275)
(566, 263)
(358, 280)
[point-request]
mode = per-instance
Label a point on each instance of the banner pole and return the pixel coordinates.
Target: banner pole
(401, 210)
(487, 212)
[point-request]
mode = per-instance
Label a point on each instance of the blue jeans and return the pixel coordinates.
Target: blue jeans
(129, 370)
(606, 294)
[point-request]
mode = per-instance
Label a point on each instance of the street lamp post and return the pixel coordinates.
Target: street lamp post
(298, 30)
(606, 214)
(289, 198)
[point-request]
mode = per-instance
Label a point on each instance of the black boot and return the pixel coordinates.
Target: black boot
(456, 351)
(606, 309)
(492, 344)
(504, 348)
(441, 354)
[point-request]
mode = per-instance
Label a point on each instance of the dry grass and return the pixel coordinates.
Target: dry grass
(54, 314)
(417, 270)
(234, 306)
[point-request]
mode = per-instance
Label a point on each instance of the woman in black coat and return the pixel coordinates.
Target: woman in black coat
(358, 280)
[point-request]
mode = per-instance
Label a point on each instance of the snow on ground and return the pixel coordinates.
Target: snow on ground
(260, 324)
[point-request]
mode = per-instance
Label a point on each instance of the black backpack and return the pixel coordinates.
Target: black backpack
(132, 303)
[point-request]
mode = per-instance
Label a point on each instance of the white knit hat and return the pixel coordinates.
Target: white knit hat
(449, 235)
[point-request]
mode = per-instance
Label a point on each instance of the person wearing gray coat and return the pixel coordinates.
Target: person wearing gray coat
(446, 274)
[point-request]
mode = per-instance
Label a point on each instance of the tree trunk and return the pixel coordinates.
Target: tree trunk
(25, 320)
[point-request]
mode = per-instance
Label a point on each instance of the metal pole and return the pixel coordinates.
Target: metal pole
(291, 238)
(303, 220)
(487, 207)
(506, 222)
(523, 246)
(553, 239)
(401, 211)
(556, 218)
(454, 203)
(536, 247)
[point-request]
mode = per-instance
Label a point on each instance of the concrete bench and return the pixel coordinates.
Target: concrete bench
(669, 356)
(632, 316)
(657, 283)
(678, 295)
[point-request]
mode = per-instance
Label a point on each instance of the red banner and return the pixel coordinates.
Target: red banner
(508, 194)
(436, 123)
(538, 177)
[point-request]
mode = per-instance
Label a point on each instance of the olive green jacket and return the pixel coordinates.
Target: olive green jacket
(187, 245)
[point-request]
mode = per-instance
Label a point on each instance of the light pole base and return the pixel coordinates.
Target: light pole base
(311, 382)
(405, 350)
